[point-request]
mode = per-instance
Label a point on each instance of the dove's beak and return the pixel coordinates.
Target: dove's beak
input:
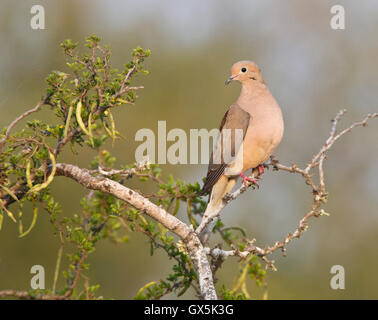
(230, 79)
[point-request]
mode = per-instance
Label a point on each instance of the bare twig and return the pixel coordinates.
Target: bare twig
(318, 191)
(22, 116)
(206, 220)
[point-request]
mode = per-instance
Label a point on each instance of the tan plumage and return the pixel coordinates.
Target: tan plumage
(255, 112)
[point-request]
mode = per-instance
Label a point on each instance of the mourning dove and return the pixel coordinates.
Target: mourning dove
(259, 119)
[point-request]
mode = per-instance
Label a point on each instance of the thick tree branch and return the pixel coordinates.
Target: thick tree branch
(187, 234)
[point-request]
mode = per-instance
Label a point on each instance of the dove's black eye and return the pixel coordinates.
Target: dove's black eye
(243, 69)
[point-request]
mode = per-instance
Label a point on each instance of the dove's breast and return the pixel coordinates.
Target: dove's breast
(264, 133)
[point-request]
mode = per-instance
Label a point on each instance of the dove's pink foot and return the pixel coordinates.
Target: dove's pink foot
(246, 179)
(260, 169)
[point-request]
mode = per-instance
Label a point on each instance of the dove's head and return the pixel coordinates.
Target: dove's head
(245, 72)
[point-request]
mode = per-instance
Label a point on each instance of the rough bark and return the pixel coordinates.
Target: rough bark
(187, 234)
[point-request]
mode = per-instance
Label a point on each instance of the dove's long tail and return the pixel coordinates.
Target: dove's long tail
(223, 186)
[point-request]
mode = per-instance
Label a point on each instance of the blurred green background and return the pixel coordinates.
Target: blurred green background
(312, 70)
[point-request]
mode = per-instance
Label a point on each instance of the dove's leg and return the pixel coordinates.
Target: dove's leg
(260, 169)
(247, 179)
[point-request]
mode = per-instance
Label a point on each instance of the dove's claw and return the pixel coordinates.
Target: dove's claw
(247, 179)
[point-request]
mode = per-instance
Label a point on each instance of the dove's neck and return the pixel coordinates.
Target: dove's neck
(252, 91)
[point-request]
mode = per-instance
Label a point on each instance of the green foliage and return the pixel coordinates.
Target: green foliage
(249, 268)
(82, 99)
(227, 294)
